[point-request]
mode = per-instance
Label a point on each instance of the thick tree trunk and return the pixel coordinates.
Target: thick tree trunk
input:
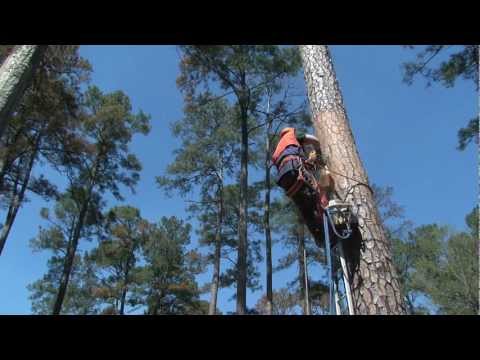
(266, 223)
(301, 264)
(18, 199)
(15, 75)
(242, 222)
(212, 307)
(374, 282)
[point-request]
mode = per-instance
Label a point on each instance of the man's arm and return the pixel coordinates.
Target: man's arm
(307, 139)
(300, 135)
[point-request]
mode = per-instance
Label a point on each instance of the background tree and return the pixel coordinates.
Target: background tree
(240, 71)
(105, 163)
(166, 283)
(456, 62)
(81, 294)
(118, 253)
(231, 242)
(375, 286)
(277, 112)
(206, 157)
(56, 239)
(397, 228)
(442, 266)
(434, 263)
(293, 238)
(319, 297)
(284, 303)
(42, 128)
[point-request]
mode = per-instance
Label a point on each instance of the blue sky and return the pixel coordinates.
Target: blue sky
(406, 136)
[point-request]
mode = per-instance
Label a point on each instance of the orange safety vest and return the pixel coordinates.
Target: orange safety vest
(288, 138)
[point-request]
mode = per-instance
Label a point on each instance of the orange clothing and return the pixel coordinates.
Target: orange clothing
(288, 138)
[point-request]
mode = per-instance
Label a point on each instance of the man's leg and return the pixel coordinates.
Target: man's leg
(306, 201)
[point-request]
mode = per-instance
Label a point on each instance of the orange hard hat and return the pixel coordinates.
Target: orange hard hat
(285, 130)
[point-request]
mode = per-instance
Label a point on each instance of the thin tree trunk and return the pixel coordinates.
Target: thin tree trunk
(154, 310)
(301, 264)
(8, 220)
(124, 289)
(73, 244)
(7, 158)
(70, 257)
(18, 198)
(411, 308)
(212, 307)
(375, 286)
(16, 74)
(308, 303)
(266, 223)
(242, 222)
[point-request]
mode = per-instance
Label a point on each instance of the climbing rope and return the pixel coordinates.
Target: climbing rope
(358, 182)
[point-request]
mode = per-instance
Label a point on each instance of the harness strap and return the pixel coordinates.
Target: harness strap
(298, 184)
(288, 158)
(288, 153)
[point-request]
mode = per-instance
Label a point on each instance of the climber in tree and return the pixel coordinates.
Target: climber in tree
(296, 175)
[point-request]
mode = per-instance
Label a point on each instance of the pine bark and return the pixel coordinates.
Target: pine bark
(16, 74)
(374, 282)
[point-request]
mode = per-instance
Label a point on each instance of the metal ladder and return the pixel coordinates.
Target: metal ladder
(340, 297)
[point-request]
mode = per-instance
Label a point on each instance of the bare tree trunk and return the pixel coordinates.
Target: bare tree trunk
(125, 286)
(375, 286)
(212, 307)
(308, 303)
(266, 223)
(478, 214)
(16, 74)
(301, 264)
(242, 223)
(18, 198)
